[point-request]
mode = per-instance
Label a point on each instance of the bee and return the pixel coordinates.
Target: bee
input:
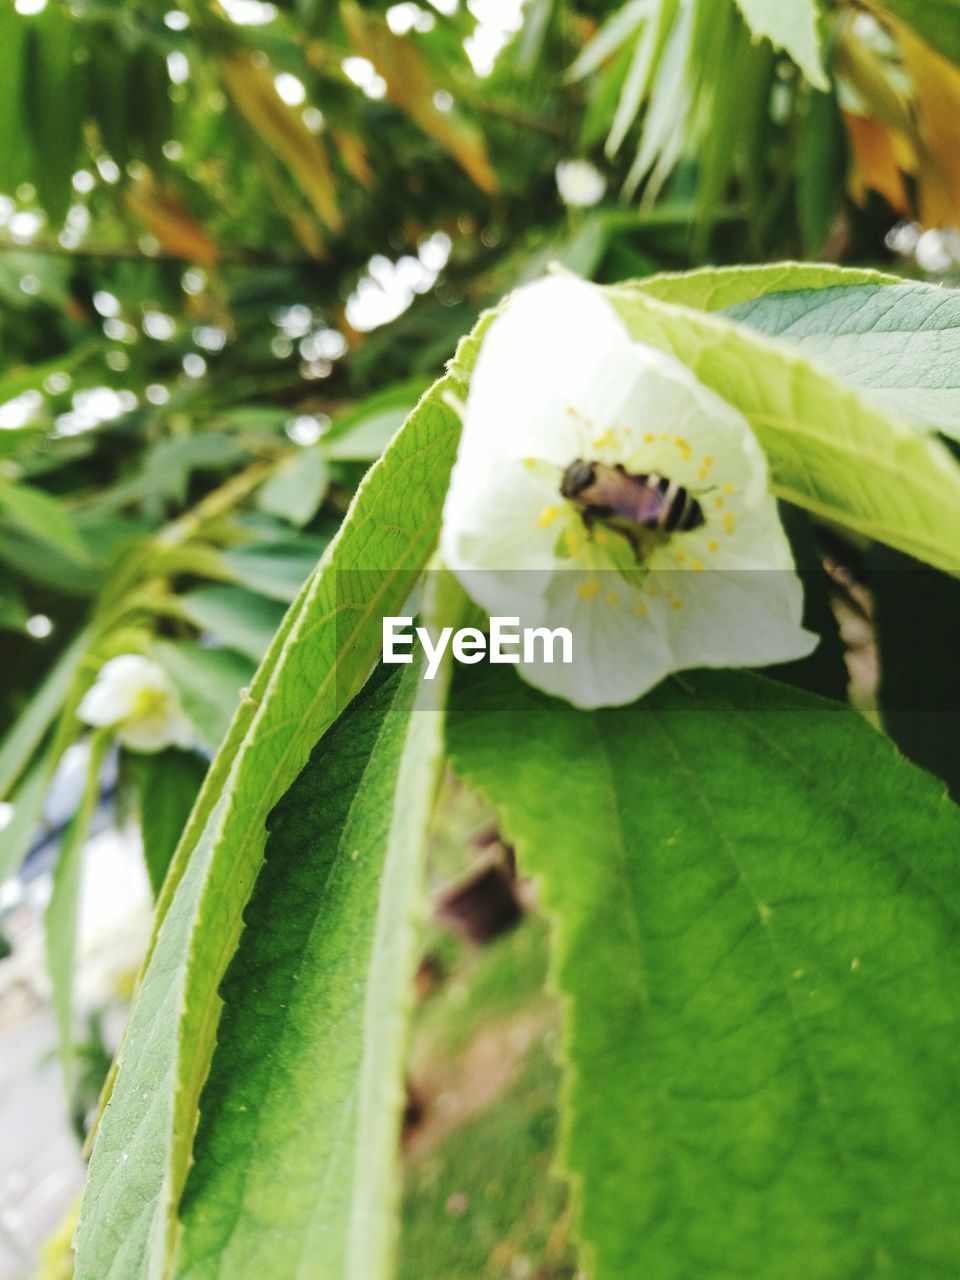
(633, 505)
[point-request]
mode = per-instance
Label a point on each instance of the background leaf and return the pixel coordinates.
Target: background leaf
(762, 1002)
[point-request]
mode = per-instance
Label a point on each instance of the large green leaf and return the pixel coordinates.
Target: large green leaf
(240, 619)
(296, 1151)
(831, 450)
(322, 656)
(793, 28)
(714, 288)
(900, 344)
(755, 903)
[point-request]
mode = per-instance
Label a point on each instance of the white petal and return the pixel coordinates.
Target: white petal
(550, 373)
(166, 727)
(618, 654)
(106, 702)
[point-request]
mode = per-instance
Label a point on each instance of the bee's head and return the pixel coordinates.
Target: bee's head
(578, 476)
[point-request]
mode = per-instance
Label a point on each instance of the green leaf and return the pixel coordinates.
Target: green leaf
(830, 449)
(362, 434)
(27, 803)
(42, 517)
(901, 344)
(936, 21)
(329, 942)
(27, 731)
(210, 683)
(754, 902)
(715, 288)
(61, 918)
(320, 659)
(793, 28)
(54, 105)
(167, 785)
(240, 619)
(294, 492)
(276, 569)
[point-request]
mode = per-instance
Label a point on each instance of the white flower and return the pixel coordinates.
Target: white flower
(558, 380)
(136, 698)
(580, 183)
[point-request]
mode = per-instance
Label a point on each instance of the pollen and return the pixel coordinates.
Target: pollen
(683, 446)
(589, 590)
(639, 608)
(718, 503)
(607, 441)
(649, 438)
(728, 488)
(664, 436)
(713, 545)
(572, 543)
(601, 538)
(698, 566)
(728, 522)
(530, 463)
(707, 461)
(612, 598)
(676, 604)
(681, 557)
(547, 516)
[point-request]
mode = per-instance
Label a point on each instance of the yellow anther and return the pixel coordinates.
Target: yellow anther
(607, 441)
(681, 557)
(676, 604)
(601, 538)
(547, 516)
(713, 546)
(698, 566)
(652, 592)
(639, 608)
(530, 462)
(682, 445)
(649, 437)
(572, 543)
(707, 461)
(664, 435)
(728, 522)
(589, 590)
(718, 503)
(703, 473)
(612, 598)
(728, 488)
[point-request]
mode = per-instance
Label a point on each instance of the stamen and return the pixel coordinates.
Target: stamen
(547, 516)
(613, 598)
(728, 522)
(713, 546)
(728, 488)
(589, 590)
(676, 604)
(572, 543)
(639, 608)
(530, 463)
(607, 441)
(698, 566)
(718, 503)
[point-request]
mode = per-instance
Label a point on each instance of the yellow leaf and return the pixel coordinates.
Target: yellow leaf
(165, 217)
(876, 165)
(283, 131)
(410, 87)
(936, 91)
